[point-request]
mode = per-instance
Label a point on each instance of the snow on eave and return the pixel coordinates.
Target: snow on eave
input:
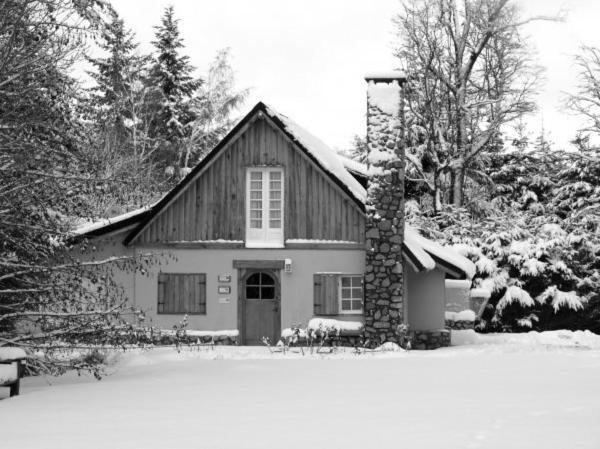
(98, 225)
(329, 160)
(354, 166)
(445, 254)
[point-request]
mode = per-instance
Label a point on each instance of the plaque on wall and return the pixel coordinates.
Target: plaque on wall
(224, 289)
(223, 300)
(224, 278)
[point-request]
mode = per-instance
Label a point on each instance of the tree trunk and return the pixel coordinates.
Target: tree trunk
(458, 180)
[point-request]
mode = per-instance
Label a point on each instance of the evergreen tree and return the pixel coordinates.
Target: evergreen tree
(114, 75)
(172, 74)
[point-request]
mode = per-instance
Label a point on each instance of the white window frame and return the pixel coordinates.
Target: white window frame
(265, 236)
(362, 298)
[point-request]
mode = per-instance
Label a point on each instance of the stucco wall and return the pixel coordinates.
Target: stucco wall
(425, 291)
(426, 300)
(296, 287)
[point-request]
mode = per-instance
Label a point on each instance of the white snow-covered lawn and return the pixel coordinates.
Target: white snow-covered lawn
(498, 391)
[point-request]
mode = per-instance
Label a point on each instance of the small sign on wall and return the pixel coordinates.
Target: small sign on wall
(224, 290)
(224, 278)
(223, 300)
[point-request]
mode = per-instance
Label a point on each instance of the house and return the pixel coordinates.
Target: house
(268, 231)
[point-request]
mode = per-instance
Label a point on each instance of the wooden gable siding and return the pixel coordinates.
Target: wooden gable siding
(213, 206)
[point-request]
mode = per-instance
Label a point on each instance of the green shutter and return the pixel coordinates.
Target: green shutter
(325, 299)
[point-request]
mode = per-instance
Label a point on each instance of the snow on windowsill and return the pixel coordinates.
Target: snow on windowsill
(341, 242)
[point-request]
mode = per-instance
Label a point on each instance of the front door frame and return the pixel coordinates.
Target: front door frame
(244, 271)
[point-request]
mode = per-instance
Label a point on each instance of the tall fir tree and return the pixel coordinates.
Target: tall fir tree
(114, 75)
(172, 74)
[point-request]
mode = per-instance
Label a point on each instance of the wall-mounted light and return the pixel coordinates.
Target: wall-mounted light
(287, 265)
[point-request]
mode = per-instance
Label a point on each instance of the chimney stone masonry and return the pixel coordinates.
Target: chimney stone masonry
(384, 281)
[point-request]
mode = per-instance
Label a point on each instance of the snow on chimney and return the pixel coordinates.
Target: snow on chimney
(384, 280)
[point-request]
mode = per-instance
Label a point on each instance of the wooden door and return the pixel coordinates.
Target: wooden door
(261, 307)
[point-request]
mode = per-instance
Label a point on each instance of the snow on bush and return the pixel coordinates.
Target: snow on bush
(560, 299)
(336, 326)
(514, 294)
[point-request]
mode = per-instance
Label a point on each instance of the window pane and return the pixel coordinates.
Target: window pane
(255, 175)
(275, 214)
(275, 175)
(346, 293)
(356, 305)
(255, 195)
(345, 281)
(275, 224)
(252, 292)
(257, 214)
(356, 281)
(255, 185)
(275, 185)
(253, 279)
(357, 293)
(255, 204)
(266, 279)
(275, 204)
(275, 194)
(346, 305)
(268, 292)
(256, 224)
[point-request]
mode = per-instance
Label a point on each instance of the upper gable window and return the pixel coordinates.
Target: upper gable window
(264, 207)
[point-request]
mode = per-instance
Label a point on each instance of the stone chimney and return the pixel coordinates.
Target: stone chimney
(384, 280)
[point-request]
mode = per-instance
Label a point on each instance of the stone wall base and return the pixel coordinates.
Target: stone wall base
(460, 325)
(433, 339)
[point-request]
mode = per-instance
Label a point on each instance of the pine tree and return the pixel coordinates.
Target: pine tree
(114, 75)
(172, 75)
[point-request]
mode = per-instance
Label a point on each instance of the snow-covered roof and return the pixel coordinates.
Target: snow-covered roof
(427, 253)
(88, 228)
(424, 254)
(385, 75)
(354, 166)
(326, 156)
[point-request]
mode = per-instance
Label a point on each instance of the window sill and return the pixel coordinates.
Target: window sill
(259, 245)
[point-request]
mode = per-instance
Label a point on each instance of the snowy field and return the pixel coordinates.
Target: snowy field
(498, 391)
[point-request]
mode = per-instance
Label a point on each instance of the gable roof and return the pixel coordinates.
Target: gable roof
(422, 253)
(323, 156)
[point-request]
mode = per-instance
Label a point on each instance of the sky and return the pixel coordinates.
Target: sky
(307, 59)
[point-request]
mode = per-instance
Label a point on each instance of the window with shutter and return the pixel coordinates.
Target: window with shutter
(180, 293)
(264, 207)
(325, 299)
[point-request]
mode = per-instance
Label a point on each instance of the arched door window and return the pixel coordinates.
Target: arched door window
(260, 286)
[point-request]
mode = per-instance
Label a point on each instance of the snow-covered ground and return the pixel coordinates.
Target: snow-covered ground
(493, 391)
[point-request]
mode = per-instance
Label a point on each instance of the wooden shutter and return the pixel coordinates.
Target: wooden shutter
(325, 294)
(181, 293)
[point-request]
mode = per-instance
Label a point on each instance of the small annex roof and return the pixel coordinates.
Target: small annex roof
(426, 254)
(108, 225)
(354, 166)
